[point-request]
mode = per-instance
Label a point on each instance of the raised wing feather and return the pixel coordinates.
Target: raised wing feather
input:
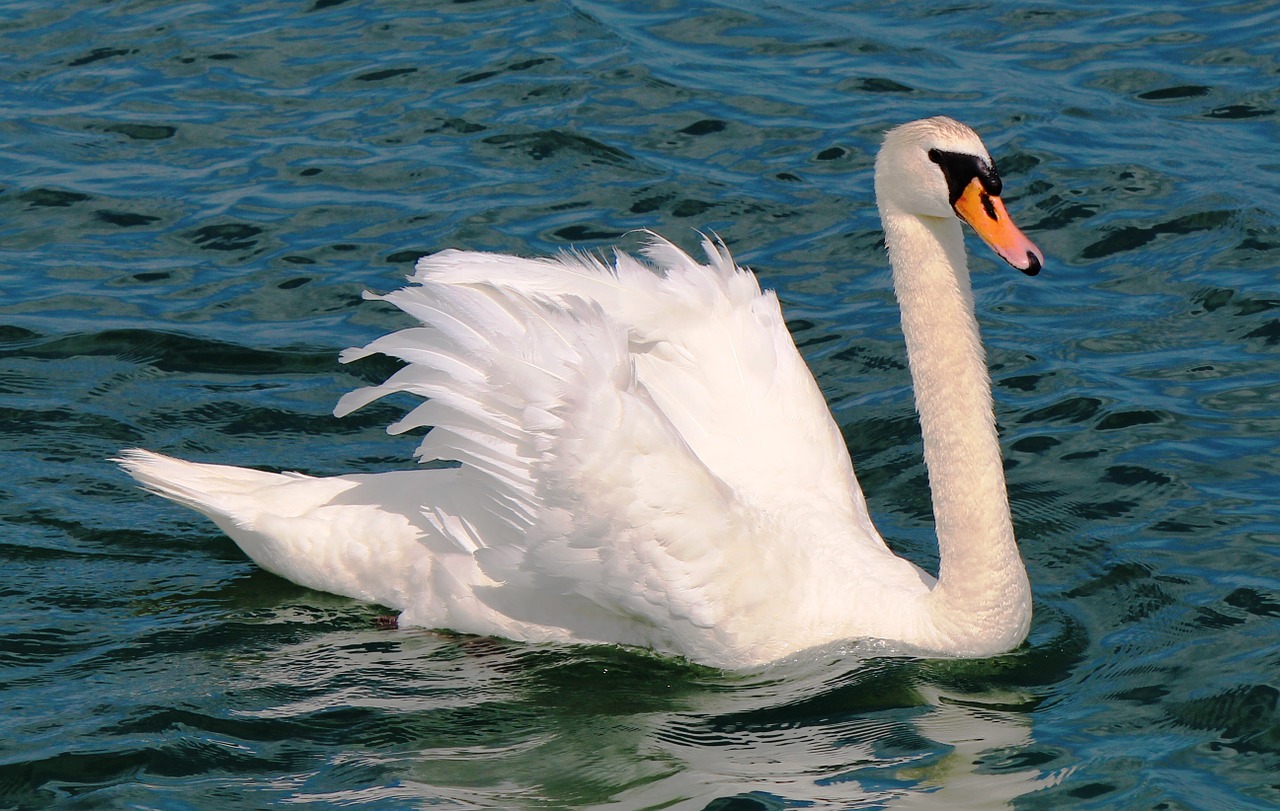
(714, 355)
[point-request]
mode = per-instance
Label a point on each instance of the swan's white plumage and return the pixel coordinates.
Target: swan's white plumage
(644, 459)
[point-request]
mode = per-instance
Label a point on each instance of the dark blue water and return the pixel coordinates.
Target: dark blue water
(193, 195)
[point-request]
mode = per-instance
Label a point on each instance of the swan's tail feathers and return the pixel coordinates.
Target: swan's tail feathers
(220, 492)
(315, 532)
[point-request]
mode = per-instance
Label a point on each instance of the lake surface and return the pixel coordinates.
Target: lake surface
(193, 196)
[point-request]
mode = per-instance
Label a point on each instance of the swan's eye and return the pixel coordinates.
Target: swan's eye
(960, 169)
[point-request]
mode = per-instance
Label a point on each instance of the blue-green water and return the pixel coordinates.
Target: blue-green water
(193, 196)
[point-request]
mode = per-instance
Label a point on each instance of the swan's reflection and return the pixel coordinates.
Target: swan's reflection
(425, 719)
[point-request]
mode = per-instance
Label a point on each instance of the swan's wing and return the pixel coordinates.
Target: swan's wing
(714, 355)
(648, 450)
(587, 513)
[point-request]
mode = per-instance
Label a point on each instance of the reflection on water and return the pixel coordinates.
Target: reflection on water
(484, 722)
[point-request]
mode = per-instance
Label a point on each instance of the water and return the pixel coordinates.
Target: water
(193, 196)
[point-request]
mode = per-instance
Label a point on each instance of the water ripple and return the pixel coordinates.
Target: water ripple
(195, 196)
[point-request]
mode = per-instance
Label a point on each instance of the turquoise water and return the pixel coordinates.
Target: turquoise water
(193, 195)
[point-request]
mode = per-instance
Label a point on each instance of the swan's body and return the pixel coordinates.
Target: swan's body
(646, 459)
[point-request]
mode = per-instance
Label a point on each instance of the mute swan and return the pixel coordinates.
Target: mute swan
(645, 458)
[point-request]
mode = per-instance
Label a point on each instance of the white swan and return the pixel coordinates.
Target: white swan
(646, 459)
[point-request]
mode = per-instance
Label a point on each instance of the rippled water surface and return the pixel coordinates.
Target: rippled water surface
(193, 196)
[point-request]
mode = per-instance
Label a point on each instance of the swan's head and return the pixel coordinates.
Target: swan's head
(938, 167)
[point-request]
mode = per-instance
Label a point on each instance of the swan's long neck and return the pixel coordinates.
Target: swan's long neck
(982, 591)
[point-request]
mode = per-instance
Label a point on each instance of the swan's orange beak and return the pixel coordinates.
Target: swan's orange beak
(985, 212)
